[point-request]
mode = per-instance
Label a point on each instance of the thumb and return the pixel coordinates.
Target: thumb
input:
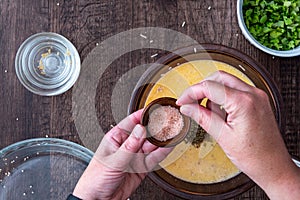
(130, 147)
(210, 121)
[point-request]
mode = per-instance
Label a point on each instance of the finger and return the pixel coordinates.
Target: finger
(206, 89)
(229, 80)
(129, 148)
(148, 147)
(115, 137)
(219, 110)
(130, 121)
(211, 122)
(156, 156)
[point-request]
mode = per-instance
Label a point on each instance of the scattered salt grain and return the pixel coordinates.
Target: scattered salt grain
(154, 55)
(97, 44)
(57, 3)
(240, 66)
(209, 8)
(143, 36)
(17, 119)
(5, 71)
(46, 136)
(151, 41)
(183, 24)
(195, 50)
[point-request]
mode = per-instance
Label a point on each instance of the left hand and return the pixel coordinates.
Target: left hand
(121, 162)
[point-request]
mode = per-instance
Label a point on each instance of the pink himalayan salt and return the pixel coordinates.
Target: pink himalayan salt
(165, 123)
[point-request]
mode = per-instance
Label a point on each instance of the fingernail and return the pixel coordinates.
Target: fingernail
(178, 102)
(185, 110)
(138, 131)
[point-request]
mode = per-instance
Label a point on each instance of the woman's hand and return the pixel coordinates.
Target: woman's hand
(121, 162)
(247, 131)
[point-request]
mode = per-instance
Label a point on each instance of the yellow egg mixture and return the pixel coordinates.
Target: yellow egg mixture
(208, 163)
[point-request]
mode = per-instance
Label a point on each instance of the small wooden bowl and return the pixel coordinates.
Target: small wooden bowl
(165, 101)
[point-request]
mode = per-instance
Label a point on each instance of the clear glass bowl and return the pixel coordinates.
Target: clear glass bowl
(253, 70)
(47, 64)
(42, 168)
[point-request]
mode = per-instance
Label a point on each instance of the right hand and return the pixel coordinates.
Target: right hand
(249, 135)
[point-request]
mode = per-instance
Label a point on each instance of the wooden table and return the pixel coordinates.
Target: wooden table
(87, 23)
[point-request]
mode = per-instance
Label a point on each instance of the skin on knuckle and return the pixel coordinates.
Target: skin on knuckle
(248, 101)
(201, 119)
(262, 94)
(131, 144)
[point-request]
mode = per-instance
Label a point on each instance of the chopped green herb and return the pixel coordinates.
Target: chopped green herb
(273, 23)
(196, 135)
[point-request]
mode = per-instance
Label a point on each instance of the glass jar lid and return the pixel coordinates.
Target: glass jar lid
(47, 64)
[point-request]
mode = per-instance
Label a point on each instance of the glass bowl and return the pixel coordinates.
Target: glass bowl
(253, 41)
(42, 168)
(254, 71)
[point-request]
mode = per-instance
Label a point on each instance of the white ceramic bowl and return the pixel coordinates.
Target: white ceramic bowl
(253, 41)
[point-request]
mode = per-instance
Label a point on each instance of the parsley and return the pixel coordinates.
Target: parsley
(274, 24)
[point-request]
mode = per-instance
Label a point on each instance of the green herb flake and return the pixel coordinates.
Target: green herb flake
(273, 23)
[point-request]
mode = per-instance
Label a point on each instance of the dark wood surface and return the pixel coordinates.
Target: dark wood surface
(85, 23)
